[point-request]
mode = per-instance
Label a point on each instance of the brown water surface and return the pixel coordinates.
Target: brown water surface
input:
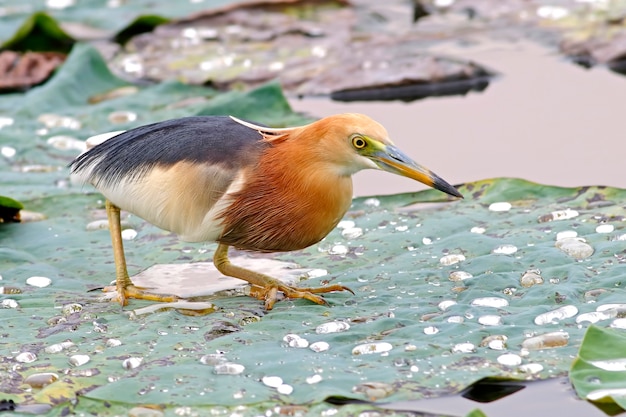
(545, 120)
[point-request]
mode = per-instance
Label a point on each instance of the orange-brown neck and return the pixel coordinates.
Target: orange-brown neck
(290, 200)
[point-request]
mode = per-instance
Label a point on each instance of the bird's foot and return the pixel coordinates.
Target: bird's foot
(265, 287)
(131, 291)
(269, 293)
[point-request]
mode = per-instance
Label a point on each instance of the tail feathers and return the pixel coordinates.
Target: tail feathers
(81, 168)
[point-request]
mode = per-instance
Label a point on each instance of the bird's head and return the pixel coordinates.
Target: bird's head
(351, 142)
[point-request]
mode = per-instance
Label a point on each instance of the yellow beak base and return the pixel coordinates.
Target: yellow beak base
(393, 160)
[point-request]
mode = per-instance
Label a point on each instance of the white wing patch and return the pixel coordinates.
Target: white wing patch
(185, 198)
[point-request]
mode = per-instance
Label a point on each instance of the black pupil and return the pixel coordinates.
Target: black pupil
(360, 143)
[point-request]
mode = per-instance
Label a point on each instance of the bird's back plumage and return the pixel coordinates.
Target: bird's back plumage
(214, 140)
(173, 173)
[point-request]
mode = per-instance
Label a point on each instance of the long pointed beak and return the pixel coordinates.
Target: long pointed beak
(392, 159)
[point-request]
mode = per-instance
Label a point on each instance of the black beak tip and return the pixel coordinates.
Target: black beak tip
(442, 185)
(457, 194)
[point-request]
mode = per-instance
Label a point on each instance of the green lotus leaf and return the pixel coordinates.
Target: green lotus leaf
(39, 32)
(599, 371)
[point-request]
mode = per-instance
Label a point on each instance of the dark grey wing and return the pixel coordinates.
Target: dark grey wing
(209, 140)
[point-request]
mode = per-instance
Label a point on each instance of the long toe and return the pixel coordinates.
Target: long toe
(143, 294)
(329, 288)
(271, 293)
(139, 293)
(305, 293)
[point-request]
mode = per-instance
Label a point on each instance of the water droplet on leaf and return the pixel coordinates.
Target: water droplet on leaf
(78, 360)
(531, 368)
(229, 368)
(314, 379)
(295, 341)
(431, 330)
(546, 341)
(509, 359)
(490, 320)
(284, 389)
(500, 206)
(369, 348)
(451, 259)
(332, 327)
(319, 346)
(272, 381)
(26, 357)
(530, 278)
(496, 302)
(556, 315)
(464, 348)
(39, 282)
(575, 248)
(132, 362)
(40, 380)
(605, 228)
(459, 276)
(122, 117)
(505, 250)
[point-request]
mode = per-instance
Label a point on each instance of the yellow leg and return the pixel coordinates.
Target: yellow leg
(123, 284)
(267, 286)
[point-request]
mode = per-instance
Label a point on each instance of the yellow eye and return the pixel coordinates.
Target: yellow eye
(358, 142)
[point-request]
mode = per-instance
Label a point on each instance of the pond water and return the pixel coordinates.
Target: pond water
(551, 397)
(544, 119)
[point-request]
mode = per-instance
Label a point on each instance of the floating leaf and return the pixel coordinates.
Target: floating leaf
(476, 413)
(9, 210)
(599, 371)
(108, 19)
(142, 24)
(39, 32)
